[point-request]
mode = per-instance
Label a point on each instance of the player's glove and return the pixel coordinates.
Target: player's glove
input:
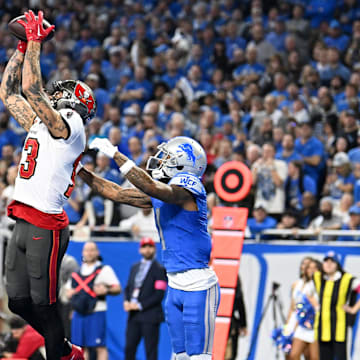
(21, 46)
(105, 146)
(34, 27)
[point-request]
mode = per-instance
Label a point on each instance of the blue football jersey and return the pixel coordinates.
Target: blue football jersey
(186, 244)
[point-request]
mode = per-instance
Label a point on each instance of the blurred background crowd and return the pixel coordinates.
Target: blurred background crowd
(273, 84)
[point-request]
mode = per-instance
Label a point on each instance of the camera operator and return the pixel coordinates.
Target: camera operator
(30, 344)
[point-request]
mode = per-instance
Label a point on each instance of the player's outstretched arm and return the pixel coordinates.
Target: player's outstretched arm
(31, 76)
(10, 93)
(172, 194)
(114, 192)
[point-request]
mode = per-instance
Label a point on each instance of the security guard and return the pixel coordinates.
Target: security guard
(335, 288)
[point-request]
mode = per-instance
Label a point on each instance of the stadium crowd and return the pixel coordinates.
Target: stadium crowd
(274, 84)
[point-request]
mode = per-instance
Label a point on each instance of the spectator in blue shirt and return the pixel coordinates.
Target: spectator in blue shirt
(280, 83)
(198, 87)
(136, 150)
(251, 71)
(342, 180)
(105, 171)
(277, 37)
(48, 59)
(228, 129)
(335, 67)
(86, 39)
(356, 167)
(232, 39)
(336, 38)
(207, 41)
(7, 136)
(101, 95)
(320, 10)
(173, 74)
(312, 152)
(348, 97)
(197, 58)
(113, 121)
(96, 55)
(296, 184)
(129, 122)
(118, 68)
(260, 221)
(137, 91)
(350, 12)
(288, 152)
(353, 224)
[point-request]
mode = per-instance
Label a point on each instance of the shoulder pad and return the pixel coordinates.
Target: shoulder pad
(69, 115)
(188, 182)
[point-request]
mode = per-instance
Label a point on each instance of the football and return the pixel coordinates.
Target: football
(19, 31)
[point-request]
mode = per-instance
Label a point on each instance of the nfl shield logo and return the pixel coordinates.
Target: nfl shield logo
(228, 221)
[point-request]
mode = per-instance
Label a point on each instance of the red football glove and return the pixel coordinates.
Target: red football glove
(34, 27)
(21, 46)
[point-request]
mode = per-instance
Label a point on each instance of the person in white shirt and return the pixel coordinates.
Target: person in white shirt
(269, 176)
(89, 287)
(141, 225)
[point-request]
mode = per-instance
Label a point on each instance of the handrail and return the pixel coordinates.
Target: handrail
(320, 235)
(119, 235)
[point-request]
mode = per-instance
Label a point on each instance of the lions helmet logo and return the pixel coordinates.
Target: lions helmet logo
(189, 151)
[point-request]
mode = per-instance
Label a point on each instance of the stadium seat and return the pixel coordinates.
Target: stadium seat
(226, 271)
(227, 244)
(227, 218)
(222, 327)
(226, 302)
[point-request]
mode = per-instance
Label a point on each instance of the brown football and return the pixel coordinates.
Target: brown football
(19, 31)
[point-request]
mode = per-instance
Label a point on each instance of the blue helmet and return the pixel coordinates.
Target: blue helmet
(180, 154)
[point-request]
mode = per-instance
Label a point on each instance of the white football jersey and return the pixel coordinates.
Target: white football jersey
(46, 172)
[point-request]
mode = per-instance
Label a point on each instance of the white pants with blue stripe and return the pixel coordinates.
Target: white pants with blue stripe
(190, 316)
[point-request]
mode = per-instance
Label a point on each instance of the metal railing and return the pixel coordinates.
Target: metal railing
(306, 234)
(112, 233)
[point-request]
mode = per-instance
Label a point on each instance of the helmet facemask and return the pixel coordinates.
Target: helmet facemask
(164, 165)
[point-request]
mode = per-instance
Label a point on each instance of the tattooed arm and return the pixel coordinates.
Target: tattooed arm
(115, 192)
(36, 96)
(10, 93)
(172, 194)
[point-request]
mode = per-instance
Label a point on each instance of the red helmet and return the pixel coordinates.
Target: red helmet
(75, 95)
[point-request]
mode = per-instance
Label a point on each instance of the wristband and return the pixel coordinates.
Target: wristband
(21, 46)
(126, 167)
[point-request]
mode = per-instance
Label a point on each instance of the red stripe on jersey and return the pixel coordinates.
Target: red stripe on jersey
(53, 266)
(36, 217)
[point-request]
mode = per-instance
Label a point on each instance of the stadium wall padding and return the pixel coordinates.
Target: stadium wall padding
(260, 265)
